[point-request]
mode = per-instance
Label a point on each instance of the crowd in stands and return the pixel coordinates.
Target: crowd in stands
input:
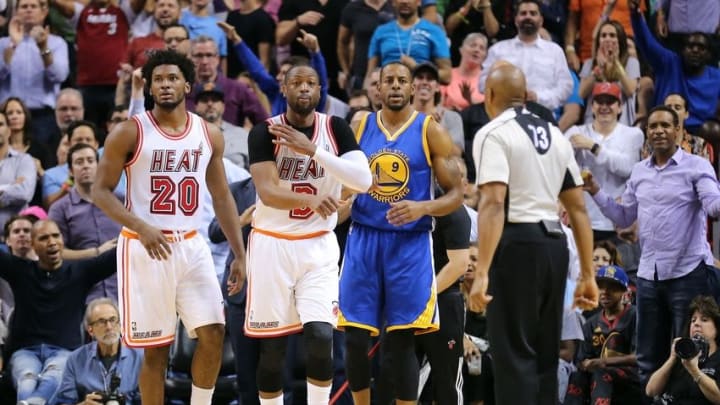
(69, 73)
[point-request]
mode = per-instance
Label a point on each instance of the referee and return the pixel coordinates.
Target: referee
(524, 165)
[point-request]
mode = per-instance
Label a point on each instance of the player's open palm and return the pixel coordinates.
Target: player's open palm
(292, 138)
(237, 276)
(479, 298)
(586, 294)
(405, 212)
(324, 205)
(155, 243)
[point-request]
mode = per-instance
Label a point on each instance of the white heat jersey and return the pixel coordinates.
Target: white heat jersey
(166, 175)
(301, 174)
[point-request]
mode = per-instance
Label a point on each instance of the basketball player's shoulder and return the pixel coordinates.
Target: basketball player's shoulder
(359, 119)
(125, 135)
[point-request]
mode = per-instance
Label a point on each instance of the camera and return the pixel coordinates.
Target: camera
(112, 397)
(688, 348)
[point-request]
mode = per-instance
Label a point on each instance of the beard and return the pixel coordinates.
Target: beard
(109, 338)
(303, 109)
(168, 105)
(528, 28)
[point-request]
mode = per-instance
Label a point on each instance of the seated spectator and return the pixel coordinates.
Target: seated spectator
(605, 254)
(86, 230)
(58, 181)
(612, 63)
(478, 384)
(17, 176)
(358, 101)
(34, 64)
(372, 86)
(687, 73)
(688, 142)
(210, 105)
(608, 149)
(607, 362)
(462, 90)
(49, 305)
(22, 138)
(695, 379)
(103, 366)
(426, 99)
(68, 109)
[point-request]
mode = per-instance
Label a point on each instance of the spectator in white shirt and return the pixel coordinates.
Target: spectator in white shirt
(543, 62)
(606, 148)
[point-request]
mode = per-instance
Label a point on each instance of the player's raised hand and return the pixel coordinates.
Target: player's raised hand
(292, 138)
(155, 242)
(586, 294)
(479, 298)
(323, 205)
(405, 211)
(236, 279)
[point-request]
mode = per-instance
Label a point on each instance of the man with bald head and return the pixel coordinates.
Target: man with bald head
(49, 307)
(522, 248)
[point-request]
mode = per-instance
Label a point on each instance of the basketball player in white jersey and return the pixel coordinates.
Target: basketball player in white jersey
(299, 162)
(165, 267)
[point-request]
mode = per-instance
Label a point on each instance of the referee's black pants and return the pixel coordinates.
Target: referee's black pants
(527, 282)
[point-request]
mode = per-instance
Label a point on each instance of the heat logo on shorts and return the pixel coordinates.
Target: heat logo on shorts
(391, 173)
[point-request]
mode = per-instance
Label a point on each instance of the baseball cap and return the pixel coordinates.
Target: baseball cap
(426, 67)
(613, 273)
(210, 88)
(34, 211)
(608, 89)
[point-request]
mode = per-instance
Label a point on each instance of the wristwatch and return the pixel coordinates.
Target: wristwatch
(595, 148)
(46, 52)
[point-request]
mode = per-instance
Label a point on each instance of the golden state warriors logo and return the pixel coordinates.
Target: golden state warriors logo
(392, 172)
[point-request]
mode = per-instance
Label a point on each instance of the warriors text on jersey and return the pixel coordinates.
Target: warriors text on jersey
(401, 164)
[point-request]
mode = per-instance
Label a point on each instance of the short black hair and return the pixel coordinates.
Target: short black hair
(82, 123)
(77, 147)
(167, 57)
(17, 217)
(521, 2)
(178, 25)
(683, 98)
(397, 62)
(676, 118)
(295, 67)
(117, 108)
(296, 60)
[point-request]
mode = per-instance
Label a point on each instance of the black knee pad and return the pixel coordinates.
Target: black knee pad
(271, 364)
(404, 367)
(318, 347)
(357, 362)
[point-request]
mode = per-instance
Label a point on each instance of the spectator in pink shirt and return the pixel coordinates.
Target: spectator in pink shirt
(462, 91)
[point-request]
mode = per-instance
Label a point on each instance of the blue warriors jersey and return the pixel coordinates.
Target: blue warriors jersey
(402, 167)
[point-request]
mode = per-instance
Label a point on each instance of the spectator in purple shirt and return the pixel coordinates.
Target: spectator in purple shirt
(669, 194)
(86, 230)
(240, 101)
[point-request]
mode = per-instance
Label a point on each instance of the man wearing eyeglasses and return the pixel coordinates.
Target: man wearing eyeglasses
(95, 368)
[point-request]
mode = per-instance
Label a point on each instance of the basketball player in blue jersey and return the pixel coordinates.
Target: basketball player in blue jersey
(387, 276)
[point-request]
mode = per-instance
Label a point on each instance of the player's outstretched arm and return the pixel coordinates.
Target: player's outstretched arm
(119, 149)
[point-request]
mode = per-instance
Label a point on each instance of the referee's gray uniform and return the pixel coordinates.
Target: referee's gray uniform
(528, 272)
